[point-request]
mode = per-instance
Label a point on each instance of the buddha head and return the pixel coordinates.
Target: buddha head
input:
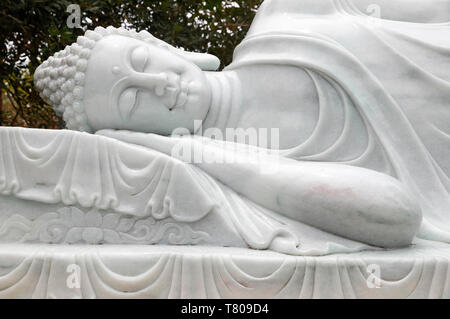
(120, 79)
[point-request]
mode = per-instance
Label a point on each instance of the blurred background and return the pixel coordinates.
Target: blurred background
(33, 30)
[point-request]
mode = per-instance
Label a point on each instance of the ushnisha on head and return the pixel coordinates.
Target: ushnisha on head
(123, 79)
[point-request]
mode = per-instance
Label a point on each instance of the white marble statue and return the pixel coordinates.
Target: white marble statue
(324, 148)
(362, 161)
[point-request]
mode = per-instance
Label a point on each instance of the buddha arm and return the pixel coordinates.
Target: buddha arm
(352, 202)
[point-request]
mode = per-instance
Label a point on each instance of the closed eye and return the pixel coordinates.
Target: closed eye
(128, 102)
(139, 58)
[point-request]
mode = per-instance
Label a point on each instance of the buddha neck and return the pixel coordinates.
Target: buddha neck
(226, 100)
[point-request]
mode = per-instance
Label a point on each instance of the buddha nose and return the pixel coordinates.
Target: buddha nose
(166, 81)
(161, 84)
(155, 82)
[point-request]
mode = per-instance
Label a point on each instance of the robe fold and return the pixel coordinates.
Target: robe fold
(395, 75)
(383, 90)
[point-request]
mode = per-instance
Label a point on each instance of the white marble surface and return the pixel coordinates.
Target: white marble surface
(382, 88)
(77, 188)
(47, 271)
(350, 89)
(362, 161)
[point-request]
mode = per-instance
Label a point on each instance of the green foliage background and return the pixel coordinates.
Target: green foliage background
(32, 30)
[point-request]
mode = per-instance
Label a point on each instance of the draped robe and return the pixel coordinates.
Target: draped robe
(392, 81)
(393, 77)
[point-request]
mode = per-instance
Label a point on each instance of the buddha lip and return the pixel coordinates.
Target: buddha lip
(182, 96)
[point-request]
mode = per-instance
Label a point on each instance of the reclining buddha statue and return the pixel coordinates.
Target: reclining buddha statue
(356, 109)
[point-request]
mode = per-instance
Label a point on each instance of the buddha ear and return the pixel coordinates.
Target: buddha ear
(205, 61)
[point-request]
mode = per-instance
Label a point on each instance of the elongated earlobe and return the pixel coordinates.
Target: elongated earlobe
(205, 61)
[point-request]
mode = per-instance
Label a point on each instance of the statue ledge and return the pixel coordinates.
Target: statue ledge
(138, 271)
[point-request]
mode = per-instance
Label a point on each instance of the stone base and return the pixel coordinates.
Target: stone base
(45, 271)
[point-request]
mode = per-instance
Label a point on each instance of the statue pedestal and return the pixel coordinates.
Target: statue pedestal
(59, 271)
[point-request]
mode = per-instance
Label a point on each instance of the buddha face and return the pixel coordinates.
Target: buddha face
(133, 85)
